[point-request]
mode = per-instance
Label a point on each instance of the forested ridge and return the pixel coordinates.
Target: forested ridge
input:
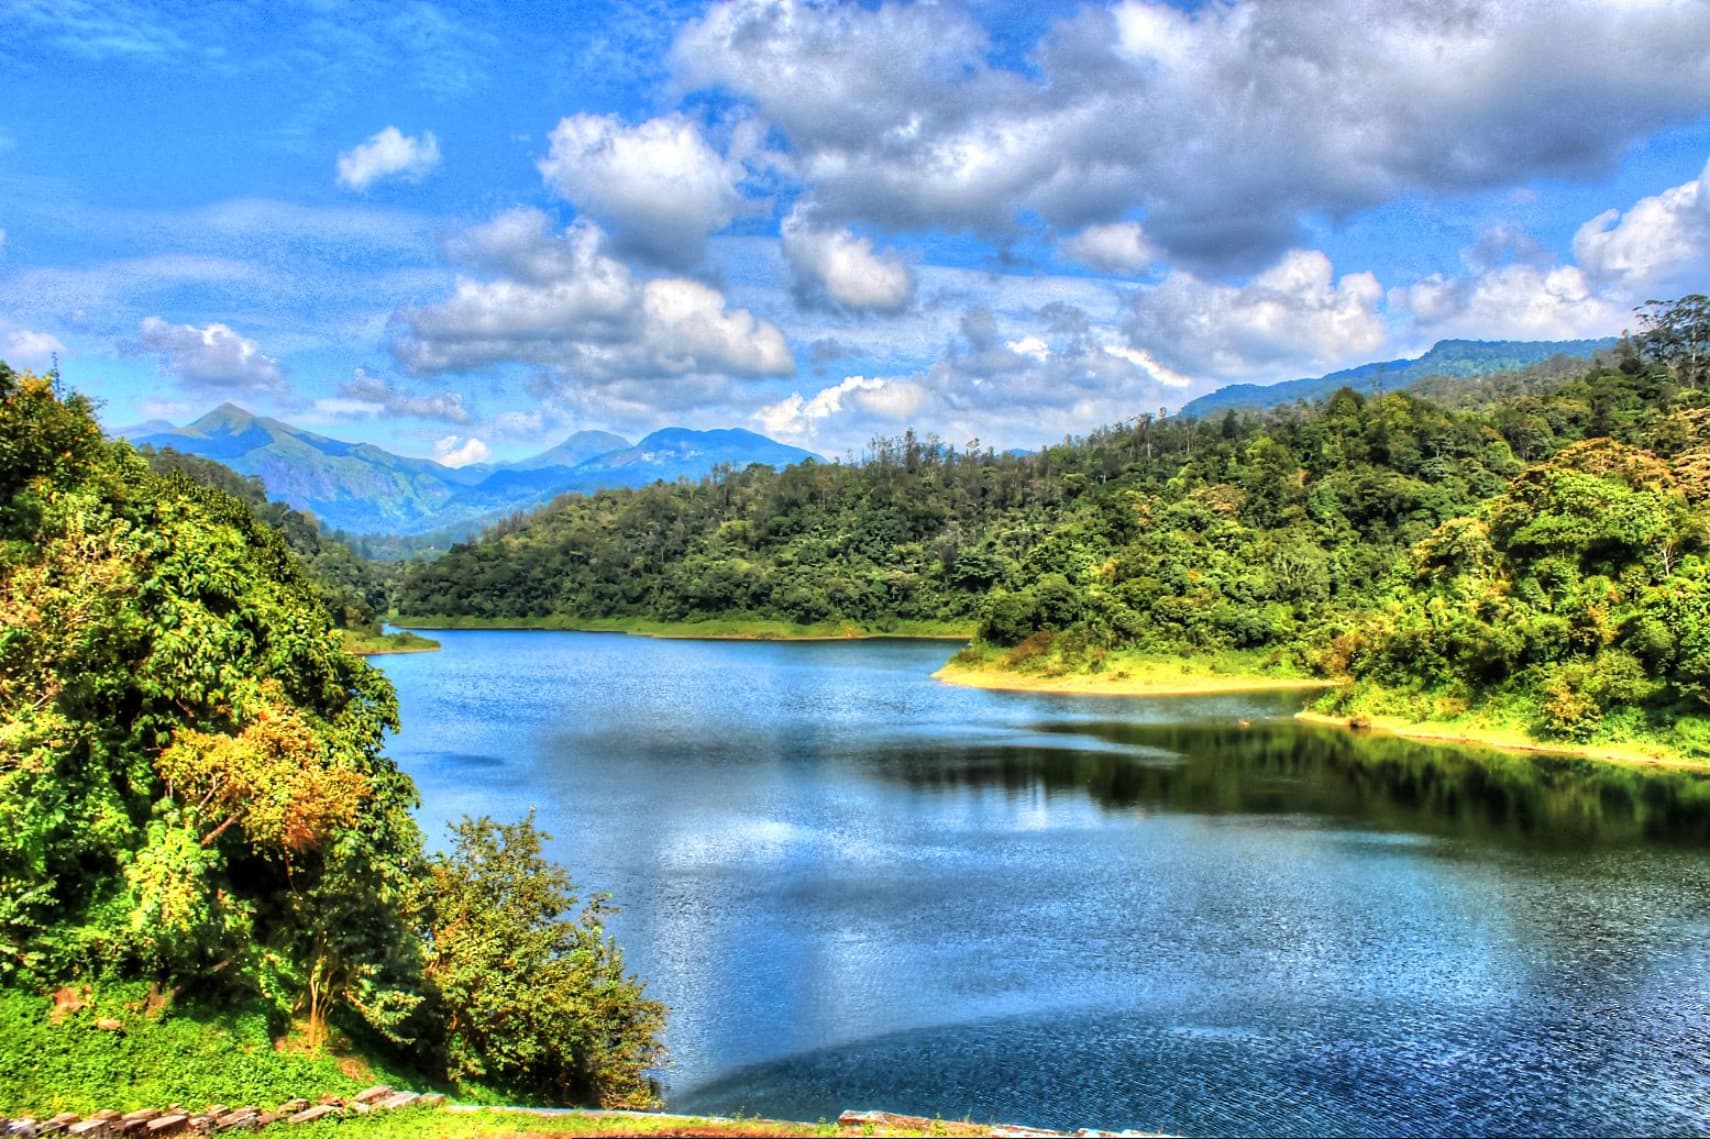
(351, 587)
(195, 809)
(1536, 551)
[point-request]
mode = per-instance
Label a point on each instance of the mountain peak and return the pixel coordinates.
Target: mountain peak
(366, 489)
(572, 451)
(227, 416)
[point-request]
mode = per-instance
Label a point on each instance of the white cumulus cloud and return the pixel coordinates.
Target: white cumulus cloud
(1659, 241)
(658, 186)
(797, 420)
(1516, 289)
(561, 303)
(1295, 315)
(211, 356)
(460, 451)
(837, 266)
(1005, 385)
(1519, 301)
(32, 348)
(1117, 247)
(388, 153)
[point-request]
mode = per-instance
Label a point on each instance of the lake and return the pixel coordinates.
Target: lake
(859, 888)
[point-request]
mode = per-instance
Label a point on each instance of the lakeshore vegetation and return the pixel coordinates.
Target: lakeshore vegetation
(203, 843)
(1524, 555)
(207, 864)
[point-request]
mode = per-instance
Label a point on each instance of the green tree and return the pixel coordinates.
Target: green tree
(1677, 333)
(533, 999)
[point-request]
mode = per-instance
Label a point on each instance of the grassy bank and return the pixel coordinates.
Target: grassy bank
(106, 1048)
(91, 1049)
(372, 644)
(1034, 666)
(1472, 733)
(1513, 723)
(458, 1123)
(719, 629)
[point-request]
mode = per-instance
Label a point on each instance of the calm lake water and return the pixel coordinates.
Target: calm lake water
(857, 888)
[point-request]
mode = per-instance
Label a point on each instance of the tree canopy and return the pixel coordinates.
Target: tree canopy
(193, 789)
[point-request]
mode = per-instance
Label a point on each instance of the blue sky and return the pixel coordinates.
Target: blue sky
(466, 230)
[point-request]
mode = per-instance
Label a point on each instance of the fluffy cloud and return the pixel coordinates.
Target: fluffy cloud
(460, 451)
(1520, 301)
(687, 328)
(1658, 242)
(1118, 247)
(388, 154)
(367, 394)
(563, 304)
(1515, 288)
(1063, 375)
(798, 420)
(1224, 124)
(835, 265)
(658, 186)
(24, 347)
(212, 356)
(1296, 315)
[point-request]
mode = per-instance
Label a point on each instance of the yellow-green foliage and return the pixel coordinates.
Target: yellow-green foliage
(192, 787)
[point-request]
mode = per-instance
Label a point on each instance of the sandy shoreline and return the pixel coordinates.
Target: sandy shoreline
(1109, 684)
(1632, 754)
(1104, 684)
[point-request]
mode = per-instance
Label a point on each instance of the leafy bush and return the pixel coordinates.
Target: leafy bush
(532, 999)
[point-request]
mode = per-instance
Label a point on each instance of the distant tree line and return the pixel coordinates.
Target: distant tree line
(1542, 542)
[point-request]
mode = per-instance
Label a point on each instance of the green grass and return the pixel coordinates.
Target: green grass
(195, 1055)
(370, 644)
(190, 1054)
(1514, 719)
(426, 1124)
(411, 1123)
(1047, 657)
(721, 628)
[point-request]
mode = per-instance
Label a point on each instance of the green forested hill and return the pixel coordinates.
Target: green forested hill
(195, 808)
(352, 588)
(1540, 553)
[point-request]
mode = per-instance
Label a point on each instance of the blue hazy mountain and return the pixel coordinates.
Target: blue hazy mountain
(1454, 359)
(679, 452)
(577, 449)
(364, 489)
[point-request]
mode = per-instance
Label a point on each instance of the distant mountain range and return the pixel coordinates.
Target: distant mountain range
(363, 489)
(1455, 359)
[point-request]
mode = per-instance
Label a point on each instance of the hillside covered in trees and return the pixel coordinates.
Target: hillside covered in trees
(195, 807)
(351, 588)
(1536, 552)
